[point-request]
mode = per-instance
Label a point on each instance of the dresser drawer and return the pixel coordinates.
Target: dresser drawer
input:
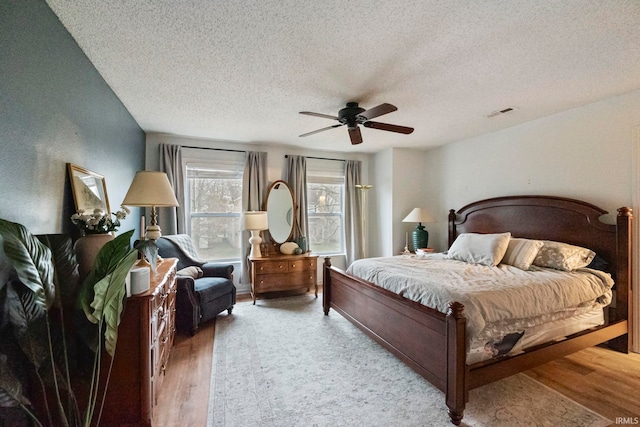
(303, 278)
(270, 282)
(272, 267)
(301, 265)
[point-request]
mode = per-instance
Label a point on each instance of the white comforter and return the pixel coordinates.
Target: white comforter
(489, 294)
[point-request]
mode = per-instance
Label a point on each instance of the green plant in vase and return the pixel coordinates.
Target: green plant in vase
(36, 284)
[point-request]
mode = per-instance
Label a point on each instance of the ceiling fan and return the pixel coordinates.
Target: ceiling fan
(353, 115)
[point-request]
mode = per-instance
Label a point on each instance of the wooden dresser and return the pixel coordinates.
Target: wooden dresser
(283, 273)
(145, 337)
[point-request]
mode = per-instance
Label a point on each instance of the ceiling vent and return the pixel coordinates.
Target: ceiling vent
(500, 112)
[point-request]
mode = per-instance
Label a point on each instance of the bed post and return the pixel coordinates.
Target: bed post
(452, 226)
(326, 286)
(456, 392)
(624, 277)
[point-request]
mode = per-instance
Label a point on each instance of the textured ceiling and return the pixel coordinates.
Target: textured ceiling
(242, 70)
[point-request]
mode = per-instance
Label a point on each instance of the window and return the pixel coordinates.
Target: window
(214, 192)
(325, 203)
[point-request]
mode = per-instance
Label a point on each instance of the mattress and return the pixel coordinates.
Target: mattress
(511, 340)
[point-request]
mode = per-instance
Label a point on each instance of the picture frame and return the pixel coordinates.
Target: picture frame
(89, 189)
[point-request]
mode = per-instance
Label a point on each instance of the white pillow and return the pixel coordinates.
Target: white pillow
(484, 249)
(521, 252)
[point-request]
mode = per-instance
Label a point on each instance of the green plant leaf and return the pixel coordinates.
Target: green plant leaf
(111, 253)
(106, 261)
(108, 302)
(66, 278)
(149, 250)
(31, 260)
(29, 321)
(10, 386)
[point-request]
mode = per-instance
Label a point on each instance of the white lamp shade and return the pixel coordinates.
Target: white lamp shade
(255, 220)
(419, 215)
(150, 188)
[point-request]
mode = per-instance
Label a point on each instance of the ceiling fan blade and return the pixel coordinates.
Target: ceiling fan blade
(388, 127)
(321, 130)
(378, 111)
(355, 135)
(325, 116)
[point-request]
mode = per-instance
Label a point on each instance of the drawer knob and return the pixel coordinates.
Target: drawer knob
(293, 265)
(280, 266)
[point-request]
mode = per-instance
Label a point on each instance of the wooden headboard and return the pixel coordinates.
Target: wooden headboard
(560, 219)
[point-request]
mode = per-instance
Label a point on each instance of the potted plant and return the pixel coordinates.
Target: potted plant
(36, 287)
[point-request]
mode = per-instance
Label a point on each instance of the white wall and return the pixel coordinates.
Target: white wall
(584, 153)
(399, 186)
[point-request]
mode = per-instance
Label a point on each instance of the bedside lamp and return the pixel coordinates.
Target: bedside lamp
(419, 236)
(151, 189)
(255, 221)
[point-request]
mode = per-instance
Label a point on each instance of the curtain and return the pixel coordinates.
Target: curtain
(172, 220)
(295, 174)
(254, 193)
(353, 211)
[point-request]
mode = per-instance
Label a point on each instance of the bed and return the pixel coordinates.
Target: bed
(434, 343)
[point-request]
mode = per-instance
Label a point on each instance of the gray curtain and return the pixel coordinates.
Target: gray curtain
(254, 193)
(172, 220)
(353, 211)
(295, 174)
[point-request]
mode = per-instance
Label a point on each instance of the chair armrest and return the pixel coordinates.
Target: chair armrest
(186, 284)
(217, 270)
(187, 305)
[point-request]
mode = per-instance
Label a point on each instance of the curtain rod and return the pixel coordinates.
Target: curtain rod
(215, 149)
(319, 158)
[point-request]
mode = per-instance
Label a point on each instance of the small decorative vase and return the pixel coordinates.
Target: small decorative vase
(302, 243)
(86, 249)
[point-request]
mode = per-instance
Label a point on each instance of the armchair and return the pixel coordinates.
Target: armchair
(198, 299)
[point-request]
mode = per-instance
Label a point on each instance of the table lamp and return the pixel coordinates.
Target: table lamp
(419, 236)
(151, 189)
(255, 221)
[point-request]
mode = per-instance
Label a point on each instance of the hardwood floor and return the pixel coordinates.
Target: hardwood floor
(183, 398)
(602, 380)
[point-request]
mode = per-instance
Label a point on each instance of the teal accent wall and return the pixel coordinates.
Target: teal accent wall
(55, 108)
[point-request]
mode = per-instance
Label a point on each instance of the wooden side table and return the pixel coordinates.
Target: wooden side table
(283, 273)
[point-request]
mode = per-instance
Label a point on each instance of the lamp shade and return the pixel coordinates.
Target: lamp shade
(254, 220)
(150, 188)
(419, 215)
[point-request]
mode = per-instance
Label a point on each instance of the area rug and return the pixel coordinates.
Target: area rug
(282, 362)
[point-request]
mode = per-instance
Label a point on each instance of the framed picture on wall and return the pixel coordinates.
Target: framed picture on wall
(89, 189)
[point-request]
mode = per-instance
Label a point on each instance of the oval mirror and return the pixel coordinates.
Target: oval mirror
(280, 211)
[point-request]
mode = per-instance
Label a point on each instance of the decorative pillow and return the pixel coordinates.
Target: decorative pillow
(563, 256)
(193, 272)
(521, 252)
(484, 249)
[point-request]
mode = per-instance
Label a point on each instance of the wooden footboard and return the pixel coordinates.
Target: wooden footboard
(428, 341)
(434, 344)
(416, 334)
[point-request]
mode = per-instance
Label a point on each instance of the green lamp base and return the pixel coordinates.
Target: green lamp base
(419, 237)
